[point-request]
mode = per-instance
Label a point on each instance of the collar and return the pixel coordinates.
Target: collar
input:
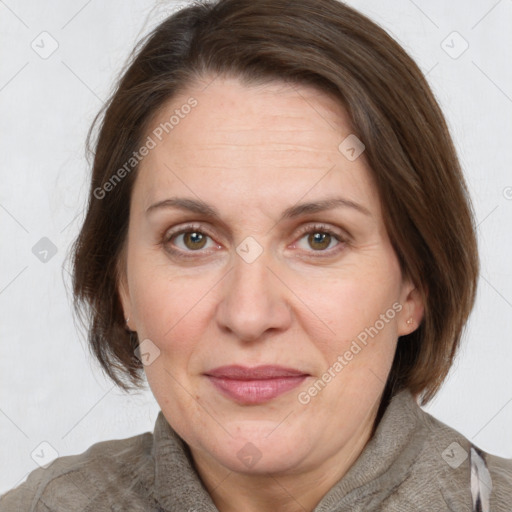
(381, 467)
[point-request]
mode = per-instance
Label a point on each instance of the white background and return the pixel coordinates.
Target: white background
(50, 389)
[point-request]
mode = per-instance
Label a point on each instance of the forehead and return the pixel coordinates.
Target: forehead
(222, 137)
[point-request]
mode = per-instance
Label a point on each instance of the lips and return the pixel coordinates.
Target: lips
(255, 385)
(256, 373)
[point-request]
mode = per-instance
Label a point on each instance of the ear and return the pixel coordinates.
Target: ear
(412, 310)
(123, 293)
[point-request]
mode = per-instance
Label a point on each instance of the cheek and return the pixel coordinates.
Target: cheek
(171, 313)
(344, 307)
(167, 307)
(358, 348)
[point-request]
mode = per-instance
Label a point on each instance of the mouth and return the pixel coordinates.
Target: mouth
(255, 385)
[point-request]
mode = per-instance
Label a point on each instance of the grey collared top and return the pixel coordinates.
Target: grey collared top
(413, 462)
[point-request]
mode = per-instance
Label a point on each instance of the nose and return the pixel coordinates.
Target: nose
(254, 302)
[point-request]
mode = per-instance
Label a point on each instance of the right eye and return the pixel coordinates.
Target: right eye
(187, 239)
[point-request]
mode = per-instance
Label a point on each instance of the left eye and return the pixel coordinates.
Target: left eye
(320, 240)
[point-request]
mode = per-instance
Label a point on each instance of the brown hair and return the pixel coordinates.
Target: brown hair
(425, 202)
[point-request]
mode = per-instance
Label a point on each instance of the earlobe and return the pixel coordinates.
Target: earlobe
(412, 312)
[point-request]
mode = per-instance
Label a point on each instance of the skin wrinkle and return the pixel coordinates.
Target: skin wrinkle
(274, 310)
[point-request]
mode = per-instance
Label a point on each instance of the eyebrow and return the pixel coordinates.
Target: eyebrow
(200, 207)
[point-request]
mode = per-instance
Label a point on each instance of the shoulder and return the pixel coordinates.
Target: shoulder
(461, 471)
(500, 470)
(99, 475)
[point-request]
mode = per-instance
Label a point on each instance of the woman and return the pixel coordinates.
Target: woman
(280, 238)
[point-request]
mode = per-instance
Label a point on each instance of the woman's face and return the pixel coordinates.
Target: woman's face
(264, 281)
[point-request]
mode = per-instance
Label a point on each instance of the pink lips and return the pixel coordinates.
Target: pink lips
(255, 385)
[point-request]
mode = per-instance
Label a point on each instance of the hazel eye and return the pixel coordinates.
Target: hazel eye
(320, 240)
(194, 240)
(190, 240)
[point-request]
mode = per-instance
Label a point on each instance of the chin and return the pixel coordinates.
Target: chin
(253, 462)
(254, 451)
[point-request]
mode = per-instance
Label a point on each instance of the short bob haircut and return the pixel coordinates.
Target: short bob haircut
(425, 202)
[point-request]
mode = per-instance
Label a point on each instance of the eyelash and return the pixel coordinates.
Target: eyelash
(309, 229)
